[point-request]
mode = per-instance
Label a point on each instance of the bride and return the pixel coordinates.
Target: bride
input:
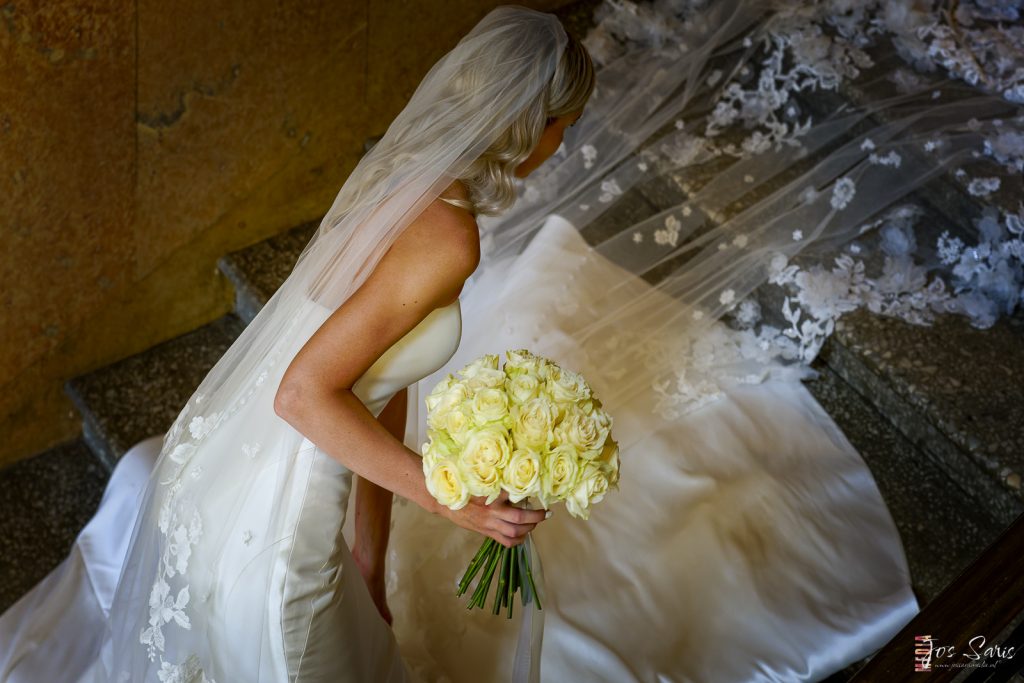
(237, 569)
(748, 540)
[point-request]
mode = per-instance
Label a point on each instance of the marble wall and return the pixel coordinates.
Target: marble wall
(141, 140)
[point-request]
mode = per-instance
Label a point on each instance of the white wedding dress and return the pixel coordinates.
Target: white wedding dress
(748, 540)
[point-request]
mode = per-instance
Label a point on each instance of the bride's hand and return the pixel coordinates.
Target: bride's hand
(375, 583)
(501, 520)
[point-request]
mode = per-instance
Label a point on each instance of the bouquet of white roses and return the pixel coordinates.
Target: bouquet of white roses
(531, 428)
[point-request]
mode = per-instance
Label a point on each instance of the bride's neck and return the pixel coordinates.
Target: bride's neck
(457, 190)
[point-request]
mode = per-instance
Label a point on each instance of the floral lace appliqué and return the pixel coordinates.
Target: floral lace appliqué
(188, 671)
(170, 595)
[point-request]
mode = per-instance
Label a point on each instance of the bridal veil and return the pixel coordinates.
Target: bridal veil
(791, 215)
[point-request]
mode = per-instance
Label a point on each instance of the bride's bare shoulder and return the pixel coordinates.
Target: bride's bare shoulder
(444, 237)
(423, 269)
(445, 229)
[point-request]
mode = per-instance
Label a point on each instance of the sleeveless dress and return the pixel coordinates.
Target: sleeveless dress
(321, 621)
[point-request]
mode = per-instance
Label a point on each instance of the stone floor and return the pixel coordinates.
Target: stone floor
(45, 502)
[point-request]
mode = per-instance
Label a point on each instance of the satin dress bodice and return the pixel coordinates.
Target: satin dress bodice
(421, 351)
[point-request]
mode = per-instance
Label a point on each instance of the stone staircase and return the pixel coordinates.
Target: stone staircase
(936, 412)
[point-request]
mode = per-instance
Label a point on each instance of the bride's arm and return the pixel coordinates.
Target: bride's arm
(373, 503)
(423, 270)
(373, 513)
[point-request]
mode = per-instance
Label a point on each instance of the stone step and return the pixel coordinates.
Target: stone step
(948, 205)
(955, 391)
(950, 194)
(951, 388)
(941, 522)
(258, 270)
(46, 501)
(141, 395)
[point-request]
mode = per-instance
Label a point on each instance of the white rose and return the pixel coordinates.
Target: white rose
(558, 474)
(486, 378)
(458, 424)
(445, 483)
(522, 361)
(590, 489)
(489, 405)
(438, 391)
(586, 433)
(438, 448)
(566, 385)
(601, 416)
(533, 423)
(521, 477)
(562, 407)
(492, 440)
(451, 399)
(545, 367)
(430, 456)
(486, 452)
(486, 362)
(482, 477)
(522, 387)
(608, 461)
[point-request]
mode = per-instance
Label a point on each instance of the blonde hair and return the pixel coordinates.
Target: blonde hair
(491, 177)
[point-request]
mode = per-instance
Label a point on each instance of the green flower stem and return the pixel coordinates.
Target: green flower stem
(499, 593)
(480, 596)
(526, 596)
(515, 573)
(508, 576)
(475, 565)
(484, 582)
(529, 576)
(492, 570)
(513, 580)
(476, 592)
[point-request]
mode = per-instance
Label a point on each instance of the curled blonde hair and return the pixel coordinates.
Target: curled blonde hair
(491, 177)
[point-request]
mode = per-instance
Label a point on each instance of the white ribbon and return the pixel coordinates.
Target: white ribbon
(526, 665)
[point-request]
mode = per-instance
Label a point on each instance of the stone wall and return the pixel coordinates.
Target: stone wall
(140, 141)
